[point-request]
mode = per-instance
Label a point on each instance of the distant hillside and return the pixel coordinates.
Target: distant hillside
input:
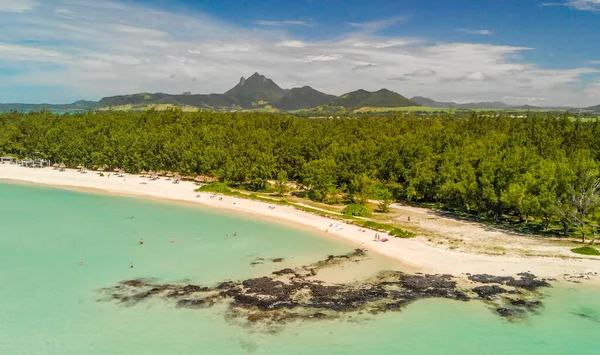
(484, 104)
(381, 98)
(302, 98)
(81, 105)
(255, 90)
(594, 108)
(424, 101)
(207, 102)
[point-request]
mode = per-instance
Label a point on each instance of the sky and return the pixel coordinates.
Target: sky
(544, 53)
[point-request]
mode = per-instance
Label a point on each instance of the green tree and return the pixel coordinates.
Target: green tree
(385, 201)
(281, 183)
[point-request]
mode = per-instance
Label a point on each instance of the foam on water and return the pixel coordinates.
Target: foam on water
(49, 303)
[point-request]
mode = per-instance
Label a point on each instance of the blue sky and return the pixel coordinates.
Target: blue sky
(518, 51)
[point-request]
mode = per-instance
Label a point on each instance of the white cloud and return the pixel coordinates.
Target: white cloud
(584, 5)
(110, 47)
(372, 42)
(323, 58)
(291, 44)
(375, 26)
(16, 5)
(422, 73)
(18, 52)
(282, 23)
(476, 76)
(140, 31)
(475, 32)
(114, 58)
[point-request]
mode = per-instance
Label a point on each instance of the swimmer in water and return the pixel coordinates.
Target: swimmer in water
(226, 236)
(141, 241)
(173, 240)
(131, 265)
(81, 262)
(235, 234)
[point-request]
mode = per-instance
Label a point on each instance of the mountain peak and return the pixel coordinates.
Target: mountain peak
(257, 88)
(258, 76)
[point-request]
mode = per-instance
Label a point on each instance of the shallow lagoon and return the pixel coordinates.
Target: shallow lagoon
(49, 303)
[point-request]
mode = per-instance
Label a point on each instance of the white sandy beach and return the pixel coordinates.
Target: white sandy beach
(413, 253)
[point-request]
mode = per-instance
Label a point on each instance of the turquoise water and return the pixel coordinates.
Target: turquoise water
(49, 302)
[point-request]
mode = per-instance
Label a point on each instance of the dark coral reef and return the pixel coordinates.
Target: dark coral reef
(293, 294)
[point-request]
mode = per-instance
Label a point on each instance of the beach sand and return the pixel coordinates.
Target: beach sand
(415, 254)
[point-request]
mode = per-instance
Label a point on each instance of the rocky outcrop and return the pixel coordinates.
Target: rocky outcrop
(294, 294)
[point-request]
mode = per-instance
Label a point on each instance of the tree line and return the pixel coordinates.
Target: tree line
(542, 166)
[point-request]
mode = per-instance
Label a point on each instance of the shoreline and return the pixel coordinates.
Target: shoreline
(413, 254)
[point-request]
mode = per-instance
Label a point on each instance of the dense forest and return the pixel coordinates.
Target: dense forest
(540, 166)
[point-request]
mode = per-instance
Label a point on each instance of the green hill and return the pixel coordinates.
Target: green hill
(81, 105)
(218, 102)
(381, 98)
(594, 108)
(302, 98)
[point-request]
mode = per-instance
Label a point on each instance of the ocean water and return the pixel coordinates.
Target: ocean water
(49, 303)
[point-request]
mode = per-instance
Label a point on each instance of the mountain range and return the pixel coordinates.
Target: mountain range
(261, 93)
(81, 105)
(424, 101)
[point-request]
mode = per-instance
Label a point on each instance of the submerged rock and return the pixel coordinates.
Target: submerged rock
(529, 305)
(489, 279)
(293, 294)
(283, 272)
(192, 303)
(488, 292)
(526, 281)
(509, 312)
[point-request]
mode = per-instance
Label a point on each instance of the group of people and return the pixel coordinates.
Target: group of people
(142, 240)
(377, 236)
(142, 243)
(227, 235)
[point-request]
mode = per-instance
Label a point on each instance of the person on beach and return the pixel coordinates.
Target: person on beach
(409, 218)
(141, 241)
